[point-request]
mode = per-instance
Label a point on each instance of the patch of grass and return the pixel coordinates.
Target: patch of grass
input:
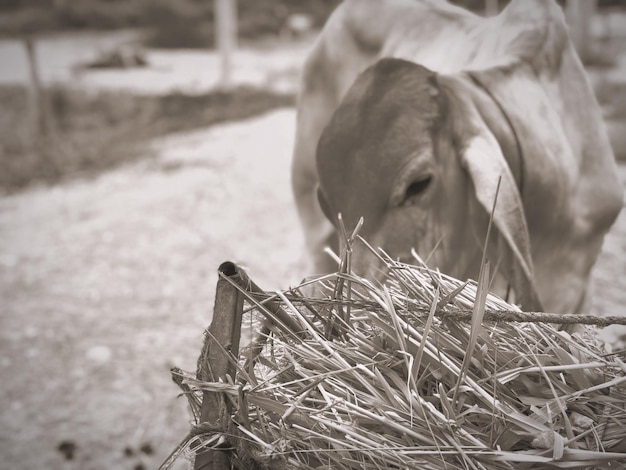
(180, 35)
(179, 111)
(90, 132)
(182, 24)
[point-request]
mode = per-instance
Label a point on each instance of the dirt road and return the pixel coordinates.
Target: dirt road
(105, 284)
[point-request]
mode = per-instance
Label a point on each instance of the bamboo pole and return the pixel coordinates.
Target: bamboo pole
(215, 362)
(275, 313)
(224, 333)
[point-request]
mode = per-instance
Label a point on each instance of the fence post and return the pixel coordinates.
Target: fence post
(38, 105)
(225, 38)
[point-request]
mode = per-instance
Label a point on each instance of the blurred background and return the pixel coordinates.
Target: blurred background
(142, 143)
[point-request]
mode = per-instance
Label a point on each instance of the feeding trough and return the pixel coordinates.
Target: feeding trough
(421, 371)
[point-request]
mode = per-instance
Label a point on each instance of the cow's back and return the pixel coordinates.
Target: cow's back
(359, 32)
(440, 36)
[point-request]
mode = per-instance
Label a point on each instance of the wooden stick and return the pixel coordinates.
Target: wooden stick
(214, 364)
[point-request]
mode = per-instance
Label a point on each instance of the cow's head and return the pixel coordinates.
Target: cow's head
(409, 152)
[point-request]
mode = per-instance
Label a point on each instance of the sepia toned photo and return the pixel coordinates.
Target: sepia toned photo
(306, 234)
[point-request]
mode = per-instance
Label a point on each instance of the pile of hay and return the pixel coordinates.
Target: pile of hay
(384, 378)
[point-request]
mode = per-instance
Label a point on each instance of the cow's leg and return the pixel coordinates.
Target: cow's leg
(319, 233)
(315, 107)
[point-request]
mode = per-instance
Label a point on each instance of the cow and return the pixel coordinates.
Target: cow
(414, 114)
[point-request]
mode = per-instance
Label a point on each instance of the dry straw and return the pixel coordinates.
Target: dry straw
(385, 377)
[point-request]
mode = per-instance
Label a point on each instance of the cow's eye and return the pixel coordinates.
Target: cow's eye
(416, 188)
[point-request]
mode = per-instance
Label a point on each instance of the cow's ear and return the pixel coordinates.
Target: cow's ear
(492, 178)
(481, 156)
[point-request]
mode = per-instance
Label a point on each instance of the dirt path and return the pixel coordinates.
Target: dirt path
(107, 283)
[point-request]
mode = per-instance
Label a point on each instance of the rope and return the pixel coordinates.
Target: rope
(456, 314)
